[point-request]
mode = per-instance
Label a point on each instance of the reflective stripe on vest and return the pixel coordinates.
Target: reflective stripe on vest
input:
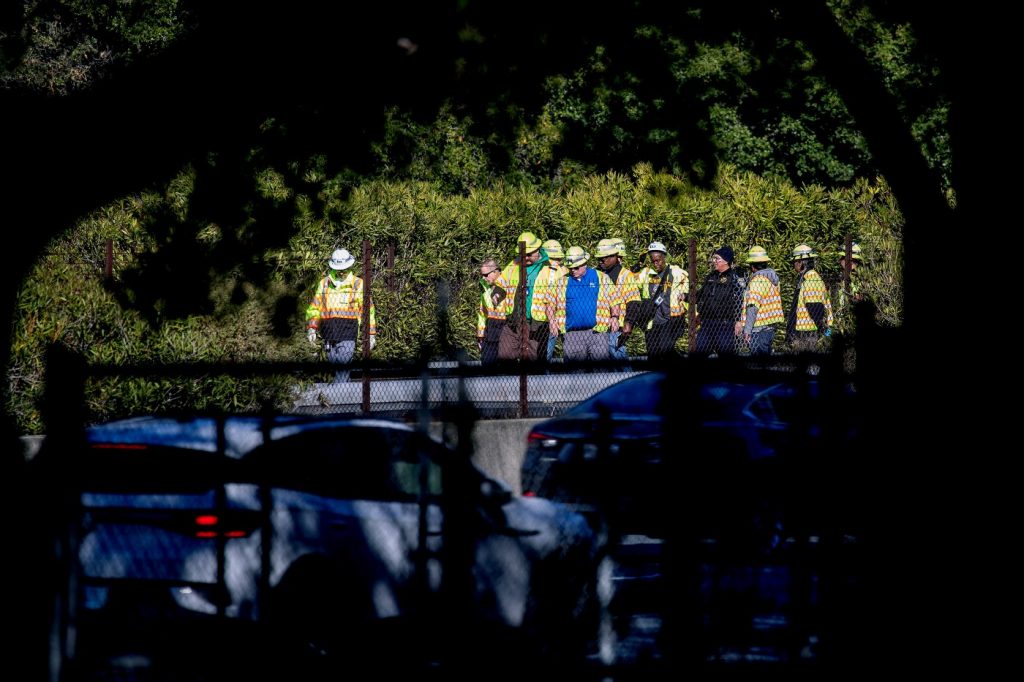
(509, 281)
(763, 295)
(811, 289)
(344, 301)
(487, 310)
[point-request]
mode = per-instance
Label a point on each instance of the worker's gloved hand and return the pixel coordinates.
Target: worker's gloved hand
(373, 341)
(311, 335)
(828, 332)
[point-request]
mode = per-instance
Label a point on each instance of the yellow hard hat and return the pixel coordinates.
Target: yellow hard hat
(803, 252)
(576, 256)
(757, 255)
(553, 248)
(607, 247)
(620, 245)
(532, 242)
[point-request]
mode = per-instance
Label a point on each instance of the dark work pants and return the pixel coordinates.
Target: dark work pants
(718, 336)
(489, 348)
(661, 338)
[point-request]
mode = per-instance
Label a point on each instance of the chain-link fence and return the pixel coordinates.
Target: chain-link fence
(686, 514)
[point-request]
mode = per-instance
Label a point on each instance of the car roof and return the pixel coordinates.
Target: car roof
(242, 433)
(640, 395)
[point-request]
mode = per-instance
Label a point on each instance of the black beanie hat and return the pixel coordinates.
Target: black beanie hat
(726, 253)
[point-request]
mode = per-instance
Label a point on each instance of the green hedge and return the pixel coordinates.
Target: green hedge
(438, 237)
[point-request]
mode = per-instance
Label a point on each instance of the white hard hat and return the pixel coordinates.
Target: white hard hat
(607, 247)
(341, 259)
(657, 246)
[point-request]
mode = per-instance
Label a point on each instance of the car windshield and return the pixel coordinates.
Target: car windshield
(720, 400)
(350, 462)
(636, 395)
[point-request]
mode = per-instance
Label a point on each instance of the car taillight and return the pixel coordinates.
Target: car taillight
(231, 526)
(206, 524)
(529, 493)
(543, 439)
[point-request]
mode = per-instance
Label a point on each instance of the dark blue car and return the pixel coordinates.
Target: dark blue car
(610, 452)
(744, 477)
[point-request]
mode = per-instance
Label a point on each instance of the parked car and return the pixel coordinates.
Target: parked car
(750, 483)
(324, 527)
(609, 451)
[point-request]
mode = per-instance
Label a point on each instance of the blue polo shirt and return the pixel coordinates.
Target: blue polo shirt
(581, 301)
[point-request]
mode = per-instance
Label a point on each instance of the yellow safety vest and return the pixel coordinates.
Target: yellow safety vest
(509, 281)
(343, 301)
(547, 283)
(677, 289)
(811, 290)
(627, 286)
(487, 310)
(763, 295)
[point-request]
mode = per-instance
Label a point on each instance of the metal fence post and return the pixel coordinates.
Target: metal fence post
(848, 251)
(220, 505)
(691, 311)
(391, 267)
(367, 305)
(524, 330)
(108, 266)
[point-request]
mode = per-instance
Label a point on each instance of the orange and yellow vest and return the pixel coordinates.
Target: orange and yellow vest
(342, 301)
(764, 295)
(509, 281)
(677, 289)
(811, 289)
(487, 310)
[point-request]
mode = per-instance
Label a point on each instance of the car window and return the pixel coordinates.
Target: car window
(345, 462)
(143, 467)
(761, 409)
(788, 400)
(636, 395)
(408, 446)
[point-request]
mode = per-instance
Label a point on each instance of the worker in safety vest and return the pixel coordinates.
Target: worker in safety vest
(490, 319)
(586, 301)
(538, 313)
(661, 310)
(610, 253)
(549, 278)
(762, 304)
(810, 315)
(336, 312)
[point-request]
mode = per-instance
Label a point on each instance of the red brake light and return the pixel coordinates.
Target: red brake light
(211, 526)
(545, 440)
(529, 493)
